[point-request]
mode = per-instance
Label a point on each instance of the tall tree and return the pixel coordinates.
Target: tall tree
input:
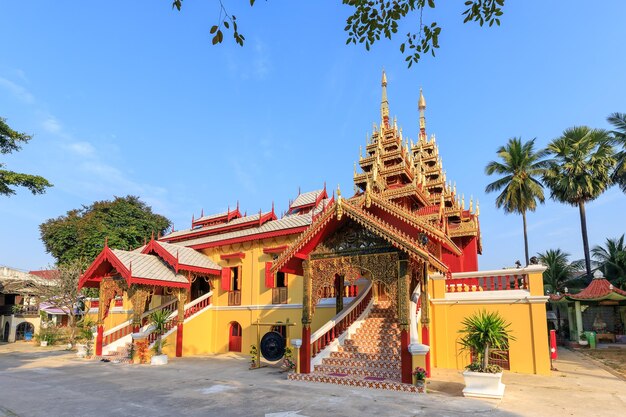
(125, 221)
(520, 167)
(372, 19)
(583, 160)
(618, 120)
(12, 141)
(559, 269)
(612, 259)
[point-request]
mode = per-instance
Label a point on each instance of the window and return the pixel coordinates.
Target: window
(234, 295)
(279, 293)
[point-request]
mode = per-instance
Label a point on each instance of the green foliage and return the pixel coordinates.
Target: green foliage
(559, 269)
(125, 221)
(481, 332)
(12, 141)
(373, 19)
(612, 259)
(519, 167)
(159, 320)
(580, 171)
(618, 120)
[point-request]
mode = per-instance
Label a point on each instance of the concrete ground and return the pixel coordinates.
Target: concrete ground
(38, 381)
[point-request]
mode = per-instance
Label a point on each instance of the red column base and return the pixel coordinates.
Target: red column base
(406, 358)
(99, 338)
(305, 351)
(179, 340)
(426, 341)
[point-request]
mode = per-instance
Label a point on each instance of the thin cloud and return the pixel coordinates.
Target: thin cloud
(17, 90)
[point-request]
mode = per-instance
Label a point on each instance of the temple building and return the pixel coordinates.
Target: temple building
(364, 288)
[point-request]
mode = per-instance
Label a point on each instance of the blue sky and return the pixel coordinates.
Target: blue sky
(132, 98)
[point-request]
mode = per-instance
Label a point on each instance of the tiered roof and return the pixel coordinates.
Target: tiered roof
(411, 174)
(599, 289)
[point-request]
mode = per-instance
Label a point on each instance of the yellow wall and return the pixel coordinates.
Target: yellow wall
(527, 354)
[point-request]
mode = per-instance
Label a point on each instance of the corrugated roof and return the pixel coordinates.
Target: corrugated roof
(148, 266)
(212, 216)
(306, 199)
(234, 222)
(188, 256)
(285, 223)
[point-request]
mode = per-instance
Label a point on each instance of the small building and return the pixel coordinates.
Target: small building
(600, 307)
(19, 310)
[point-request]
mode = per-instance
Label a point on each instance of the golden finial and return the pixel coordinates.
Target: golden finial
(395, 122)
(355, 169)
(384, 104)
(368, 196)
(477, 208)
(434, 139)
(444, 176)
(421, 103)
(360, 152)
(339, 204)
(412, 144)
(401, 135)
(463, 201)
(338, 192)
(454, 188)
(471, 206)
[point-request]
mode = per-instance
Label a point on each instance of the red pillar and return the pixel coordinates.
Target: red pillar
(405, 356)
(426, 341)
(179, 340)
(305, 350)
(99, 338)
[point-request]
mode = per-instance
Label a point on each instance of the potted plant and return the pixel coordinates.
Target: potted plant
(159, 320)
(482, 332)
(419, 376)
(582, 339)
(85, 338)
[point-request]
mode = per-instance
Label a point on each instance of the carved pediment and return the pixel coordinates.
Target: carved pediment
(351, 238)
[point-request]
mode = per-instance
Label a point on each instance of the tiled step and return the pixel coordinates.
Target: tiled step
(358, 349)
(362, 363)
(352, 381)
(392, 374)
(385, 356)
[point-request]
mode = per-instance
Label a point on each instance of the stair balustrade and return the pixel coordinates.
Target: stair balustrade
(336, 326)
(126, 327)
(487, 283)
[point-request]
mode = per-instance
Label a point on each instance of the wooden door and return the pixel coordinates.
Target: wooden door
(234, 337)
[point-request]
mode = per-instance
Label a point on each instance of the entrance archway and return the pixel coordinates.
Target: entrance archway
(234, 337)
(22, 329)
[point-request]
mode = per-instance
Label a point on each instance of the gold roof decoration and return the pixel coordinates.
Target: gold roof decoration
(409, 173)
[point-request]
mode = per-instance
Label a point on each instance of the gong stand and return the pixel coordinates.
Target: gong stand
(258, 339)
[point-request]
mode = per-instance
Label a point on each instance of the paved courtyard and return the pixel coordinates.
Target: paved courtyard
(52, 382)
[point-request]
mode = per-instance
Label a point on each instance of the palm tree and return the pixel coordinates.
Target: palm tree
(520, 167)
(560, 269)
(619, 135)
(612, 259)
(580, 171)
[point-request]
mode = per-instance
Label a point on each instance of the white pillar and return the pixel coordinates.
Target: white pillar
(579, 319)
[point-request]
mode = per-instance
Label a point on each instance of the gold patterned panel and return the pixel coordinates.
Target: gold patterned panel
(109, 288)
(377, 267)
(139, 295)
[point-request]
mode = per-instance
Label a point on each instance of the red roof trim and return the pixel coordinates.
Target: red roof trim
(226, 227)
(275, 249)
(257, 236)
(105, 255)
(236, 255)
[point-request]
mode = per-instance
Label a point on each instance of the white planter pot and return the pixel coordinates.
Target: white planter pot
(483, 385)
(158, 360)
(43, 343)
(81, 350)
(583, 342)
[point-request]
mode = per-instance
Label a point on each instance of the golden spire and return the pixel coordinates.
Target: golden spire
(463, 202)
(477, 208)
(384, 104)
(355, 169)
(421, 106)
(471, 206)
(360, 152)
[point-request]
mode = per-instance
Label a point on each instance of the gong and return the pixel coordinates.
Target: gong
(272, 346)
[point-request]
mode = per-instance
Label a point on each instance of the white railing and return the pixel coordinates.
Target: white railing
(336, 326)
(192, 308)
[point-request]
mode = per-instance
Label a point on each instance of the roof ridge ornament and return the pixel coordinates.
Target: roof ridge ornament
(384, 103)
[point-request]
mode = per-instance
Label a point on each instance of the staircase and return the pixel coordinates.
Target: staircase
(370, 358)
(120, 355)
